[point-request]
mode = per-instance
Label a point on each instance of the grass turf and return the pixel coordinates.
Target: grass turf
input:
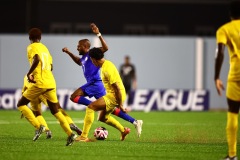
(165, 136)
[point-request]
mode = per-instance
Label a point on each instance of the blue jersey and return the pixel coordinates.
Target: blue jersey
(90, 71)
(94, 86)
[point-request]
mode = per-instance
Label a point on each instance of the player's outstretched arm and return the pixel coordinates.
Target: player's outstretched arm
(76, 59)
(95, 30)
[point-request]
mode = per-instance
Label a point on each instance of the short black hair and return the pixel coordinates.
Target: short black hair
(86, 42)
(234, 9)
(96, 53)
(35, 34)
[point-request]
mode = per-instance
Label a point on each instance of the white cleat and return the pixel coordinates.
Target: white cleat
(138, 127)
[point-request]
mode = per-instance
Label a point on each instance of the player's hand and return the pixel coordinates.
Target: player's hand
(219, 86)
(122, 108)
(30, 78)
(94, 28)
(65, 49)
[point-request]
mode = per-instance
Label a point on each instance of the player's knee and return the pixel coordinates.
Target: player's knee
(74, 99)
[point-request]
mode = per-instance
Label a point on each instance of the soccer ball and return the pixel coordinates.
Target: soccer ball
(100, 133)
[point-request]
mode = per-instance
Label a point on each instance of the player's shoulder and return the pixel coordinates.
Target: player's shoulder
(226, 25)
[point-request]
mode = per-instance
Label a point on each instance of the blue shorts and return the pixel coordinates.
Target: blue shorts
(94, 89)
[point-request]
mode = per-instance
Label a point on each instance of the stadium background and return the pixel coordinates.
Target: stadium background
(163, 38)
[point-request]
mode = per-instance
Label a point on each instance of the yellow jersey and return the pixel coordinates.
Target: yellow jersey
(110, 75)
(42, 74)
(229, 34)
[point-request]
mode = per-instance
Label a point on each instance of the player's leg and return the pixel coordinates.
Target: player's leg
(78, 96)
(97, 90)
(232, 127)
(137, 123)
(106, 118)
(52, 101)
(97, 105)
(27, 113)
(36, 109)
(73, 126)
(30, 94)
(233, 96)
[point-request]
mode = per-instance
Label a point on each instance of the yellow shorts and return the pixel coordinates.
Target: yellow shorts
(111, 103)
(233, 90)
(36, 103)
(33, 93)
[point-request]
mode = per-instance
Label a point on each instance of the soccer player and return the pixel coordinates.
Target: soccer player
(114, 97)
(229, 35)
(94, 86)
(36, 106)
(42, 83)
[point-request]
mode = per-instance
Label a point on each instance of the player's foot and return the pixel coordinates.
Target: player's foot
(48, 134)
(75, 128)
(125, 133)
(230, 158)
(71, 139)
(138, 126)
(39, 132)
(83, 139)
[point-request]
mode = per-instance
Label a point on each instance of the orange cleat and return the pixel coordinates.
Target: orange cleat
(125, 133)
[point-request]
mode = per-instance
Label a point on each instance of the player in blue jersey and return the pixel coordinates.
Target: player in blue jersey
(94, 86)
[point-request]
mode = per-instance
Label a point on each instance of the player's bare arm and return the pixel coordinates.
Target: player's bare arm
(218, 65)
(75, 58)
(95, 30)
(36, 60)
(118, 96)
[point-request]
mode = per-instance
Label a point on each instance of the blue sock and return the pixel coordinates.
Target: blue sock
(123, 115)
(82, 100)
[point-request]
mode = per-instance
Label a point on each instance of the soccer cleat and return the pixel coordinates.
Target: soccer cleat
(39, 132)
(230, 158)
(138, 127)
(71, 139)
(83, 139)
(75, 128)
(125, 133)
(48, 134)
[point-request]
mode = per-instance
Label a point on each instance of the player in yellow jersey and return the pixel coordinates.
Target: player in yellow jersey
(115, 96)
(42, 83)
(229, 35)
(36, 108)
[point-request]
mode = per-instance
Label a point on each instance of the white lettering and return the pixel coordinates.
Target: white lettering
(156, 97)
(140, 99)
(169, 100)
(198, 100)
(181, 106)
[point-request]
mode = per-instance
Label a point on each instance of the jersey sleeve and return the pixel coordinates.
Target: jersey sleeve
(221, 36)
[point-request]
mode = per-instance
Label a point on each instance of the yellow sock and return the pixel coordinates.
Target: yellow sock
(28, 114)
(68, 118)
(88, 120)
(114, 123)
(63, 122)
(231, 129)
(42, 121)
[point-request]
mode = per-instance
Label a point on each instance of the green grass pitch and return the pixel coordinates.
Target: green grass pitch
(165, 136)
